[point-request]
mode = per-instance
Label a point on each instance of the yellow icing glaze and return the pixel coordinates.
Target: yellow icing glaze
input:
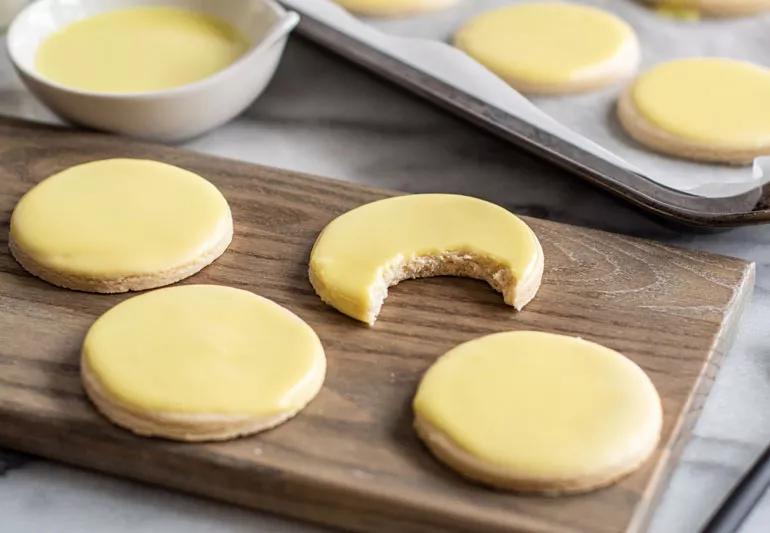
(120, 217)
(678, 12)
(139, 49)
(722, 102)
(353, 251)
(545, 42)
(393, 7)
(205, 349)
(694, 9)
(542, 406)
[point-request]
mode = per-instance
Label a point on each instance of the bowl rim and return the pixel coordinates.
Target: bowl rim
(286, 20)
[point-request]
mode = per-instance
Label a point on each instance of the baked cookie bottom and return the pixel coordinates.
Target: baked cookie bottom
(662, 141)
(474, 469)
(114, 285)
(184, 426)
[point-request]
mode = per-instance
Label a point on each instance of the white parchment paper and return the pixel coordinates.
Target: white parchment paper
(586, 120)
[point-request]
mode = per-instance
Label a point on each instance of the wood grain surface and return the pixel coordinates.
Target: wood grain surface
(351, 459)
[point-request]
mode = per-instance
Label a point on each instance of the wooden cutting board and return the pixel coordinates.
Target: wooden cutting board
(351, 458)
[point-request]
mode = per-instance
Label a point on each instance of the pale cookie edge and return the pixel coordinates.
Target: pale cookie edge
(475, 470)
(659, 140)
(108, 285)
(182, 426)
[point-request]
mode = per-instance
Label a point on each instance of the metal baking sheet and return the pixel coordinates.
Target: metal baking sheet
(560, 129)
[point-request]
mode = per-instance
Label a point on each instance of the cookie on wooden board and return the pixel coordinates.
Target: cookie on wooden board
(201, 363)
(120, 225)
(368, 249)
(538, 412)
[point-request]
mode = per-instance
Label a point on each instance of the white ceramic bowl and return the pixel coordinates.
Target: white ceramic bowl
(168, 115)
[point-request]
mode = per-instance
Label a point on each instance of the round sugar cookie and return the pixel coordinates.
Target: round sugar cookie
(364, 251)
(716, 8)
(705, 109)
(201, 362)
(120, 225)
(551, 47)
(393, 8)
(538, 412)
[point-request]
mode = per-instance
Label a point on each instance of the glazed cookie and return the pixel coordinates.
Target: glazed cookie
(538, 412)
(718, 8)
(393, 8)
(705, 109)
(363, 252)
(120, 225)
(551, 47)
(201, 362)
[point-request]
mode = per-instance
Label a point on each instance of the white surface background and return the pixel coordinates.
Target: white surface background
(324, 116)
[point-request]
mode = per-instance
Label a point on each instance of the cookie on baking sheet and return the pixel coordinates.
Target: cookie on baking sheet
(362, 252)
(717, 8)
(705, 109)
(120, 225)
(551, 47)
(538, 412)
(393, 8)
(201, 362)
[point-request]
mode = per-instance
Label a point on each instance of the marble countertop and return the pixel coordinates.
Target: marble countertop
(350, 125)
